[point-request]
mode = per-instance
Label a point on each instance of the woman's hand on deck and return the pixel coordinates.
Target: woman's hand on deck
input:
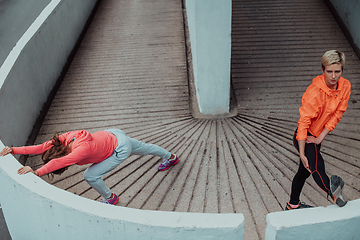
(6, 151)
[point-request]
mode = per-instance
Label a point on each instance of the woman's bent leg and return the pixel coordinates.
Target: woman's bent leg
(298, 184)
(94, 173)
(299, 179)
(141, 148)
(317, 166)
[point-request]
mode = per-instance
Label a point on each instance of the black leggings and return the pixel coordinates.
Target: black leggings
(317, 167)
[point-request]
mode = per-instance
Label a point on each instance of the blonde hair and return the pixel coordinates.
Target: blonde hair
(331, 57)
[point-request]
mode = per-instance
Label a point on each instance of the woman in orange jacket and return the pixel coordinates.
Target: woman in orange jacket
(323, 105)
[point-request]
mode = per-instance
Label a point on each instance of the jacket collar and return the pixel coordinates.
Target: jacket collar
(319, 81)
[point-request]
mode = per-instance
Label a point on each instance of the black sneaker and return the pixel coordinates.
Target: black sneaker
(299, 206)
(336, 186)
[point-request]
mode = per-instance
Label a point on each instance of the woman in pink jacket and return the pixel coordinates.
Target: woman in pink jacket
(104, 150)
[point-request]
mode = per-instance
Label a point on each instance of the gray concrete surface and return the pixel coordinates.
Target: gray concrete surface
(15, 18)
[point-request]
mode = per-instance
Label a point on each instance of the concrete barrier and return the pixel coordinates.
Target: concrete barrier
(348, 13)
(34, 65)
(330, 222)
(34, 209)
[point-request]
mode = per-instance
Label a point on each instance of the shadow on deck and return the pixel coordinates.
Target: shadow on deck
(130, 73)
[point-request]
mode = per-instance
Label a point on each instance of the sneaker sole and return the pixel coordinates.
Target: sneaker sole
(287, 208)
(336, 186)
(116, 201)
(170, 165)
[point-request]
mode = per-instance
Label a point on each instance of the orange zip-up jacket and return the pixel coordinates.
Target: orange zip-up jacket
(322, 107)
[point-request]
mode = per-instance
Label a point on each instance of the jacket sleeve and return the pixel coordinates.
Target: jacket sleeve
(337, 115)
(36, 149)
(308, 111)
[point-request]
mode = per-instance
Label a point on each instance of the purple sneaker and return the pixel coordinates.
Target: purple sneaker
(168, 163)
(112, 200)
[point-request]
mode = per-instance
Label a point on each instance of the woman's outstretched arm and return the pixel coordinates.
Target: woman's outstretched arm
(22, 170)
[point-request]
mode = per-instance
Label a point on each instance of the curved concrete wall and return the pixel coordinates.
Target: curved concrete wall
(33, 66)
(34, 209)
(349, 12)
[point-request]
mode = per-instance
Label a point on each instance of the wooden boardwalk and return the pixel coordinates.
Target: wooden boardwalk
(130, 72)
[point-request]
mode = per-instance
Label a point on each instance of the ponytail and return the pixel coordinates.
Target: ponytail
(57, 150)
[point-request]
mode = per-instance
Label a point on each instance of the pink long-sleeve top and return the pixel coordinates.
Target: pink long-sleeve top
(86, 148)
